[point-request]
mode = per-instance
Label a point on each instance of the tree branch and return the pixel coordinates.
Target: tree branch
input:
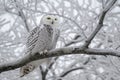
(70, 70)
(100, 23)
(56, 52)
(21, 14)
(44, 73)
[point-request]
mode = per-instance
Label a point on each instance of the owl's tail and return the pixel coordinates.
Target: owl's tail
(31, 66)
(26, 69)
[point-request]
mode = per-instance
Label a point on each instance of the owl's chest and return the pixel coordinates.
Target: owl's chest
(49, 31)
(47, 35)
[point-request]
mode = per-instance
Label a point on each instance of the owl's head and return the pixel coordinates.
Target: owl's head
(51, 20)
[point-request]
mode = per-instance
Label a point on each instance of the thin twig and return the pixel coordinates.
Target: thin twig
(21, 14)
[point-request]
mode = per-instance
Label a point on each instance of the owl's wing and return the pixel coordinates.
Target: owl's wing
(31, 42)
(32, 38)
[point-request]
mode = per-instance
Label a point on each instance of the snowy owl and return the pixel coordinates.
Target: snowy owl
(41, 39)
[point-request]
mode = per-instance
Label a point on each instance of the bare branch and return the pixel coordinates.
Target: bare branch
(72, 42)
(44, 73)
(100, 23)
(70, 70)
(56, 52)
(21, 14)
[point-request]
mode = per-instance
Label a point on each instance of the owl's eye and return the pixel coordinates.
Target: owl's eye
(48, 18)
(55, 18)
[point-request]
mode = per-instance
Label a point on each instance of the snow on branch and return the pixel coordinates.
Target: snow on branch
(21, 14)
(100, 23)
(56, 52)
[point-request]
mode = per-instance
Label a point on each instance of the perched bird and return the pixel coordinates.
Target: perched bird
(41, 39)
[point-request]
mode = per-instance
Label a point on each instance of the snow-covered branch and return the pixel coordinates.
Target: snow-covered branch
(21, 14)
(100, 23)
(56, 52)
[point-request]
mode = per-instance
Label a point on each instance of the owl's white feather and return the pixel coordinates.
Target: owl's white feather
(40, 39)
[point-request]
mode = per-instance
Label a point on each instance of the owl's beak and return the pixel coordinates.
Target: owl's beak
(52, 22)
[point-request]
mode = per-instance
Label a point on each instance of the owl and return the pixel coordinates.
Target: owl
(41, 39)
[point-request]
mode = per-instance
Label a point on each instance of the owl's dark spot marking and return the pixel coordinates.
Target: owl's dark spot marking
(48, 18)
(56, 19)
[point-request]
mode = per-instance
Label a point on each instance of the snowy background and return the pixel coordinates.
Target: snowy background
(78, 18)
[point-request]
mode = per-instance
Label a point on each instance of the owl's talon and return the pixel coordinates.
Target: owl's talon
(44, 52)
